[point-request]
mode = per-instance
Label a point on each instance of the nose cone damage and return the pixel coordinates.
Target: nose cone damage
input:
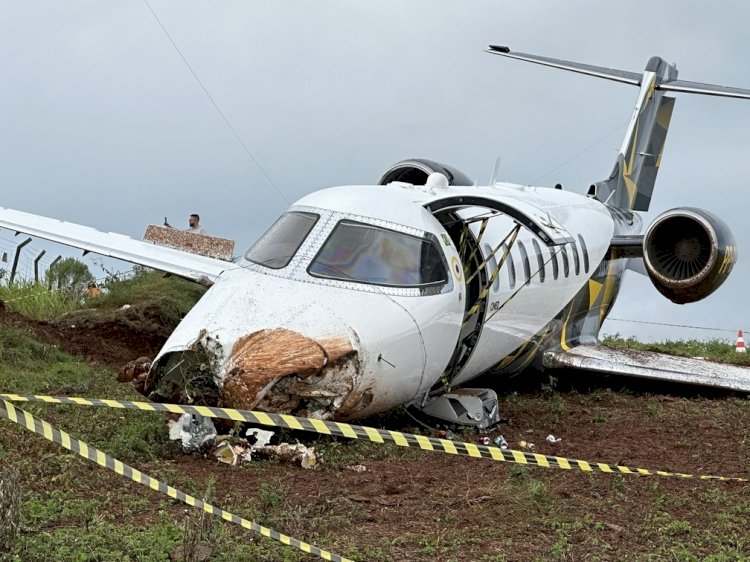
(281, 370)
(253, 343)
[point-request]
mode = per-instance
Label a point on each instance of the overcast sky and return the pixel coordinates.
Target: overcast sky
(101, 122)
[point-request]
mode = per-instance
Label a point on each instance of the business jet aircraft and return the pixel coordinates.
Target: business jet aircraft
(362, 298)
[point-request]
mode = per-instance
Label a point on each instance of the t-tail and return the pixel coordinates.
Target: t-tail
(631, 183)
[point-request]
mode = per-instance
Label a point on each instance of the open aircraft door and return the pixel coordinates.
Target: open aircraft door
(483, 248)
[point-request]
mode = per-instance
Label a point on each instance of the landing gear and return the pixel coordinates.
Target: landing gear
(472, 407)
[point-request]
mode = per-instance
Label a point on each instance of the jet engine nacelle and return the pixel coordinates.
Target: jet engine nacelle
(416, 170)
(688, 253)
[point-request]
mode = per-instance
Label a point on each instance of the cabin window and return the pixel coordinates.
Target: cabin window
(525, 262)
(539, 260)
(585, 253)
(565, 260)
(576, 258)
(510, 265)
(492, 261)
(276, 248)
(364, 253)
(553, 261)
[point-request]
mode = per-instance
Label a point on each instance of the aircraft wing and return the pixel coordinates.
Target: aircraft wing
(651, 365)
(197, 268)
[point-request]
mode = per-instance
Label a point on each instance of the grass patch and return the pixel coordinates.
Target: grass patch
(35, 300)
(164, 298)
(713, 349)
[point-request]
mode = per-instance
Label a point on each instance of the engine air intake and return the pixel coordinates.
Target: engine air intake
(688, 253)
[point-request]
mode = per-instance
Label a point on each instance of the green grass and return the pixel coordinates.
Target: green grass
(154, 298)
(75, 510)
(713, 349)
(164, 298)
(35, 300)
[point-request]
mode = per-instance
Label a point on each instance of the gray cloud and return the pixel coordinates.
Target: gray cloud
(102, 124)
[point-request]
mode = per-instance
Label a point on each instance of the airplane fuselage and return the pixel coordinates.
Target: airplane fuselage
(267, 325)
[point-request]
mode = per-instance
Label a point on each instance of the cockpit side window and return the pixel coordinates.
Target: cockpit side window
(276, 248)
(363, 253)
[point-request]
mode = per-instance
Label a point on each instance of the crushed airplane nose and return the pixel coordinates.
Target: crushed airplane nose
(274, 370)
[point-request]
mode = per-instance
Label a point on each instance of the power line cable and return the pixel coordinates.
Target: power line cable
(216, 106)
(675, 325)
(577, 154)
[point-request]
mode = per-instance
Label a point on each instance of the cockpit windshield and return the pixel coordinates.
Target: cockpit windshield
(276, 248)
(364, 253)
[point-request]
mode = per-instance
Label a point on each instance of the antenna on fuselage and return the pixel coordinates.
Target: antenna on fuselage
(495, 170)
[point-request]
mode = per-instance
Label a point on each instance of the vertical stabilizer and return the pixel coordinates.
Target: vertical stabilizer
(631, 183)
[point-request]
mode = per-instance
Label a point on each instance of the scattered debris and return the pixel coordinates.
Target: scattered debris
(484, 440)
(356, 468)
(526, 445)
(135, 370)
(501, 442)
(554, 440)
(194, 431)
(232, 454)
(261, 437)
(125, 307)
(284, 452)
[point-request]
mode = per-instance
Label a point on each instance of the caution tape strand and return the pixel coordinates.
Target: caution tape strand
(372, 434)
(41, 427)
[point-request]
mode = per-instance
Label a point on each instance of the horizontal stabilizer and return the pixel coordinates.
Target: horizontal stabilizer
(625, 76)
(651, 365)
(707, 89)
(633, 78)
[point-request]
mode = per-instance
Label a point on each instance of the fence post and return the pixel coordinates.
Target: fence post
(36, 266)
(54, 261)
(15, 260)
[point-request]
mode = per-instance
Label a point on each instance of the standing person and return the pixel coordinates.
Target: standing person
(194, 225)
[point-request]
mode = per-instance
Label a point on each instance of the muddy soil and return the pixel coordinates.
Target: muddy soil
(492, 508)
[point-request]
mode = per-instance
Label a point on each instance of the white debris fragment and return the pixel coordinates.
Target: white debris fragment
(552, 439)
(232, 454)
(262, 437)
(356, 468)
(125, 307)
(193, 431)
(175, 430)
(225, 452)
(284, 452)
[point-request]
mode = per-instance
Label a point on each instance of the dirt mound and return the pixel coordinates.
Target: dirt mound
(110, 338)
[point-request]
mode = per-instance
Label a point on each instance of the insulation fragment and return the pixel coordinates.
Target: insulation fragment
(210, 246)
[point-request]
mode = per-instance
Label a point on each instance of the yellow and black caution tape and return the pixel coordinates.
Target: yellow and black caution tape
(370, 434)
(40, 427)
